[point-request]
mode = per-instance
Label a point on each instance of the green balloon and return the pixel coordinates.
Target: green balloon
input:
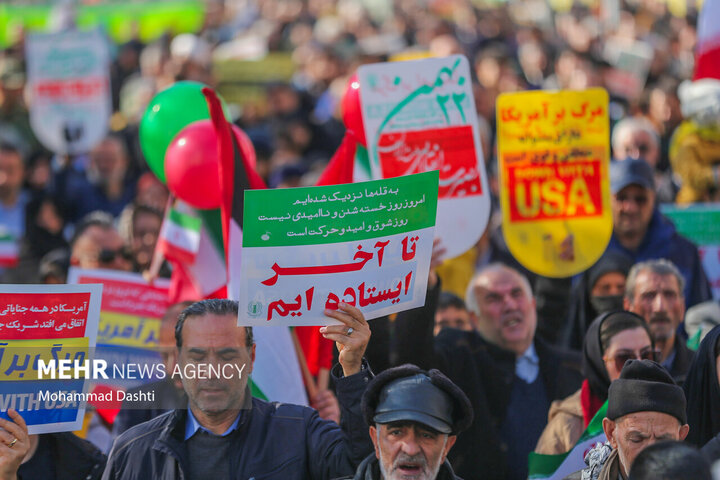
(170, 111)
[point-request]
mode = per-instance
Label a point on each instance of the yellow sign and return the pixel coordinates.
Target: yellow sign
(128, 330)
(554, 154)
(19, 358)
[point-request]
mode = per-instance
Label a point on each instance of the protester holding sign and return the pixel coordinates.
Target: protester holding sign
(226, 433)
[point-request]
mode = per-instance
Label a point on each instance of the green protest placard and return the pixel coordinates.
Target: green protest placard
(306, 249)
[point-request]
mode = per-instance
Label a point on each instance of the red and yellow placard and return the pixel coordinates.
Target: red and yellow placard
(554, 153)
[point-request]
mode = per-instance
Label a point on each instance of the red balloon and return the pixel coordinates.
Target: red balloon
(191, 164)
(352, 111)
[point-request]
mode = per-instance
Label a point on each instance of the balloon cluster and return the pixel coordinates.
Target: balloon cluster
(180, 146)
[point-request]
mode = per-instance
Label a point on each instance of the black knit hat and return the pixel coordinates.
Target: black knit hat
(410, 393)
(645, 386)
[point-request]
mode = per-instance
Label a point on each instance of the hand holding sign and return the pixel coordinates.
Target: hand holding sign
(14, 444)
(352, 336)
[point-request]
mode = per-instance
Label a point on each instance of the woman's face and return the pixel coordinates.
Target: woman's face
(627, 344)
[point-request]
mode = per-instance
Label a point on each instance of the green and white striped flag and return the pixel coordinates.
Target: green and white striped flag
(180, 233)
(557, 467)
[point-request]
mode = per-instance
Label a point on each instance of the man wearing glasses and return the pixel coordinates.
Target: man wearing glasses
(654, 290)
(643, 233)
(97, 244)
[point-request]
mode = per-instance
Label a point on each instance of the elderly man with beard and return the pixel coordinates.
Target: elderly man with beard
(645, 406)
(414, 419)
(654, 290)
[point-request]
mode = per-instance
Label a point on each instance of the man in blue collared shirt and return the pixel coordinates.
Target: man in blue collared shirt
(225, 433)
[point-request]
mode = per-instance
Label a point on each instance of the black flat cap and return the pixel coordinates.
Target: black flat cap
(408, 393)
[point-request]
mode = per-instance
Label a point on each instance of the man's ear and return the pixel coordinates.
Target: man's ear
(609, 427)
(684, 430)
(448, 445)
(626, 304)
(373, 437)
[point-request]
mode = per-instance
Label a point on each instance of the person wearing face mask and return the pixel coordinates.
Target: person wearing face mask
(599, 290)
(612, 339)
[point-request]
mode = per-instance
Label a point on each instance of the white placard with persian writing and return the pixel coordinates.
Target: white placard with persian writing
(69, 89)
(420, 116)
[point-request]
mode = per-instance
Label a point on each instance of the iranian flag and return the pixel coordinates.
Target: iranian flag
(707, 60)
(557, 467)
(9, 251)
(276, 375)
(190, 240)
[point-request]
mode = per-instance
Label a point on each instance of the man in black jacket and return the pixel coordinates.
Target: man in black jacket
(227, 434)
(510, 376)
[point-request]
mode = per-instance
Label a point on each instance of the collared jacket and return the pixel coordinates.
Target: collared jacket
(683, 359)
(369, 469)
(274, 441)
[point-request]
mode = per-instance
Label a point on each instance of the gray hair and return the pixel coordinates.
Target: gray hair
(660, 267)
(631, 124)
(214, 306)
(470, 298)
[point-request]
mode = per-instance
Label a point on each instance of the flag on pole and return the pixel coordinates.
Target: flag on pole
(707, 59)
(197, 259)
(557, 467)
(276, 374)
(9, 251)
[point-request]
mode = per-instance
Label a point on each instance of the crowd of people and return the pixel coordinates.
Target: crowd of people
(499, 362)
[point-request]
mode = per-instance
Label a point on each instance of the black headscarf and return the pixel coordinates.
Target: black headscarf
(581, 310)
(593, 364)
(703, 392)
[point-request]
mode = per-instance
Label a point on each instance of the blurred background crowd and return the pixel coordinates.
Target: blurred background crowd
(283, 65)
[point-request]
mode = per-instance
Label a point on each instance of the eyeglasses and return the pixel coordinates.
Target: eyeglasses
(624, 355)
(107, 255)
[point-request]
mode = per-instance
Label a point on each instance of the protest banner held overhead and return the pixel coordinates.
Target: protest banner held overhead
(41, 325)
(307, 249)
(69, 89)
(420, 116)
(128, 333)
(553, 151)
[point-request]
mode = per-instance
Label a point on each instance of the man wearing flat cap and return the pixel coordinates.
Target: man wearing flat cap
(414, 419)
(645, 406)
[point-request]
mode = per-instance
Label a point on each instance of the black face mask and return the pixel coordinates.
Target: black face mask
(606, 303)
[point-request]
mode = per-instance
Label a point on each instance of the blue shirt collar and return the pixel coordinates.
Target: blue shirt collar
(192, 425)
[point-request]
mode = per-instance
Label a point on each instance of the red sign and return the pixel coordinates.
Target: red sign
(555, 191)
(131, 298)
(30, 316)
(450, 150)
